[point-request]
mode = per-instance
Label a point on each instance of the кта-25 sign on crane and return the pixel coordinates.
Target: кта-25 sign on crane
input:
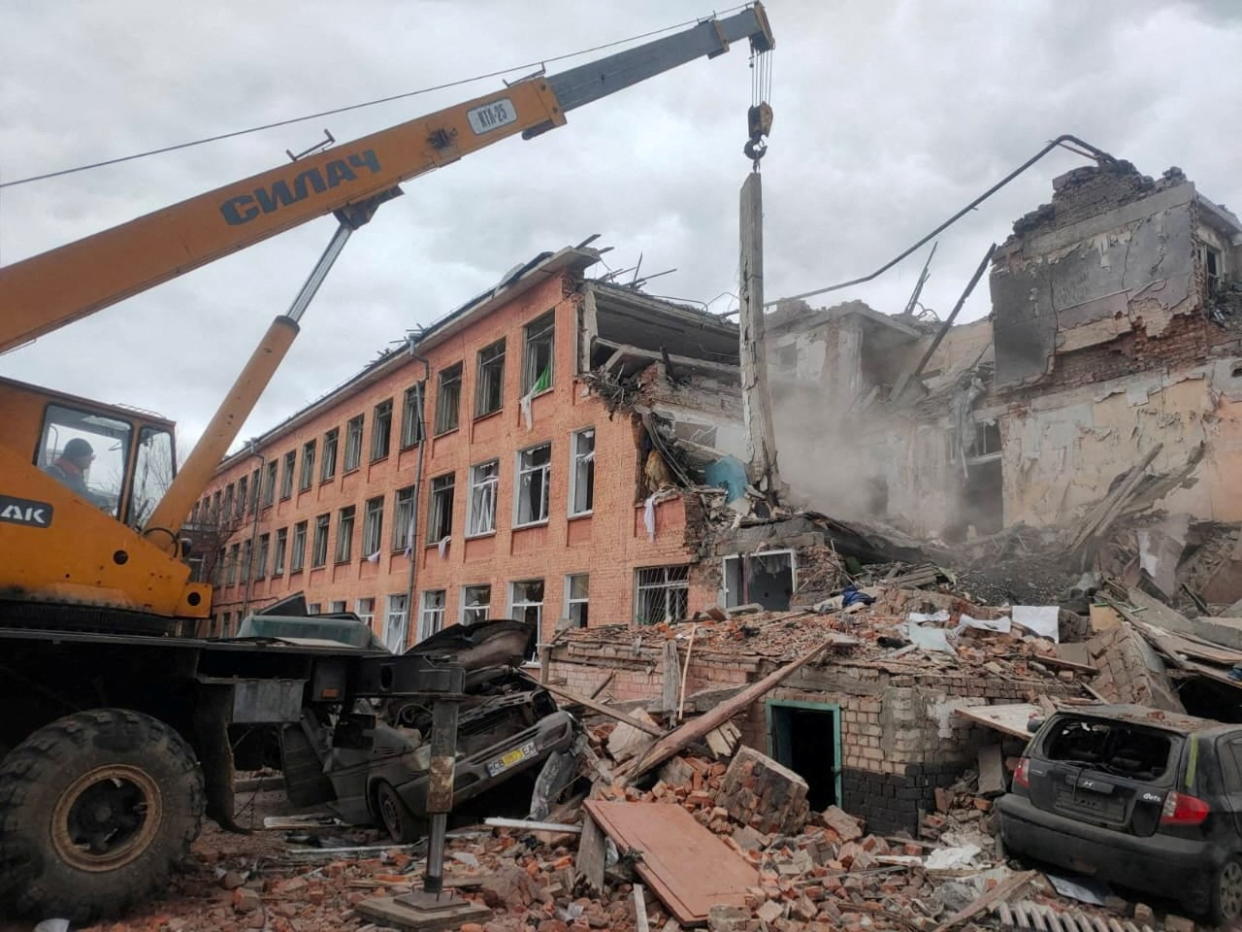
(117, 727)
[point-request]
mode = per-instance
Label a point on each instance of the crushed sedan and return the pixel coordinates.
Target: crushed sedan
(1143, 798)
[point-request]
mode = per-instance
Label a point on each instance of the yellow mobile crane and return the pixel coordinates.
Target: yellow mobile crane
(118, 731)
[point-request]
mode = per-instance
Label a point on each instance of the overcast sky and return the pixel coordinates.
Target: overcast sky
(889, 116)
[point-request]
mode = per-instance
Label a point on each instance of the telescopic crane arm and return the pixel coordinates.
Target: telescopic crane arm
(47, 291)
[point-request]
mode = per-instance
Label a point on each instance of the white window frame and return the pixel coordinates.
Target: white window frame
(574, 459)
(430, 616)
(396, 622)
(434, 510)
(666, 585)
(372, 527)
(366, 614)
(514, 604)
(570, 601)
(403, 523)
(724, 571)
(480, 490)
(333, 607)
(519, 473)
(467, 610)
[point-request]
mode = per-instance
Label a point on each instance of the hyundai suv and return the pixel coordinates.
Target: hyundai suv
(1147, 799)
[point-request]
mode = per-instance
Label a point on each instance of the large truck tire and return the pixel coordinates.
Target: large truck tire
(96, 809)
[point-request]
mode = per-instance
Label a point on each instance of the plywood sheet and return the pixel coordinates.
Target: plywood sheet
(688, 867)
(1010, 719)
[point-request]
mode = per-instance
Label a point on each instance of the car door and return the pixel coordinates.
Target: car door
(1229, 753)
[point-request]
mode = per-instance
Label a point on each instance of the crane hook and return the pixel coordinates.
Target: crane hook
(759, 125)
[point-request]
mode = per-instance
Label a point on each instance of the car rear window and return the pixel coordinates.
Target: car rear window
(1114, 747)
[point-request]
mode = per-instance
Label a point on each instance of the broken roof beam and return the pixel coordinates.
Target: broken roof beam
(621, 350)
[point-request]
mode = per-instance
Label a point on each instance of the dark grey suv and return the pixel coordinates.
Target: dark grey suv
(1143, 798)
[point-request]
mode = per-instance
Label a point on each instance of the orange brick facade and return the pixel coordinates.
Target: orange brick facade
(608, 545)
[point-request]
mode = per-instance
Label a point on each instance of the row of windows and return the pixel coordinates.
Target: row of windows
(244, 561)
(661, 595)
(532, 484)
(237, 499)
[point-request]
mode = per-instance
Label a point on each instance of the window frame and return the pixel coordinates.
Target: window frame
(574, 462)
(373, 526)
(403, 540)
(353, 451)
(467, 608)
(290, 460)
(261, 555)
(280, 552)
(381, 430)
(518, 496)
(391, 611)
(449, 375)
(571, 600)
(435, 513)
(489, 379)
(666, 586)
(473, 484)
(323, 523)
(297, 547)
(514, 604)
(437, 613)
(533, 332)
(412, 427)
(346, 524)
(306, 478)
(331, 447)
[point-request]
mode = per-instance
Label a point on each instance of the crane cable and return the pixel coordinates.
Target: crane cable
(369, 103)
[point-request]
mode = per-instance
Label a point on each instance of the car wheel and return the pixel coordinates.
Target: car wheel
(395, 815)
(1227, 892)
(97, 808)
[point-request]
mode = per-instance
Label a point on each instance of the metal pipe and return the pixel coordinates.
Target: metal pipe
(1099, 154)
(418, 485)
(948, 322)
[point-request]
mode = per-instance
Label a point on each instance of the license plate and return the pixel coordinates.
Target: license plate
(491, 116)
(509, 758)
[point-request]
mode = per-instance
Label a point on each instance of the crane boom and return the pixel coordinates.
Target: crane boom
(54, 288)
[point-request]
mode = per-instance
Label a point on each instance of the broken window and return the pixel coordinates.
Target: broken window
(484, 479)
(297, 558)
(286, 478)
(308, 466)
(215, 507)
(475, 602)
(395, 623)
(353, 442)
(1212, 268)
(582, 472)
(577, 590)
(448, 399)
(330, 441)
(537, 356)
(986, 441)
(260, 563)
(532, 485)
(440, 509)
(319, 549)
(765, 579)
(255, 478)
(365, 610)
(345, 534)
(432, 618)
(403, 519)
(243, 493)
(228, 503)
(230, 578)
(278, 555)
(381, 429)
(269, 484)
(336, 608)
(247, 561)
(372, 526)
(662, 594)
(490, 378)
(412, 417)
(526, 602)
(1113, 747)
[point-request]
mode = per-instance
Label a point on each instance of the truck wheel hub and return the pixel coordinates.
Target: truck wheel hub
(106, 818)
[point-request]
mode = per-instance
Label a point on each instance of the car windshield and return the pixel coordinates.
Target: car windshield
(1113, 747)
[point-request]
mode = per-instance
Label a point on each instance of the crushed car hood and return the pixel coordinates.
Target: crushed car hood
(504, 642)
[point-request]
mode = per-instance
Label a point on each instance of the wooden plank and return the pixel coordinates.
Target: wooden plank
(685, 676)
(641, 923)
(670, 684)
(589, 864)
(531, 826)
(602, 709)
(686, 866)
(697, 728)
(1001, 892)
(603, 684)
(386, 911)
(1009, 719)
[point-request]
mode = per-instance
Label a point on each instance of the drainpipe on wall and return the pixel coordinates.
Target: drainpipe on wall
(255, 496)
(418, 485)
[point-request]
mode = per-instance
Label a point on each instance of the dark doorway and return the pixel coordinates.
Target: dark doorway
(806, 738)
